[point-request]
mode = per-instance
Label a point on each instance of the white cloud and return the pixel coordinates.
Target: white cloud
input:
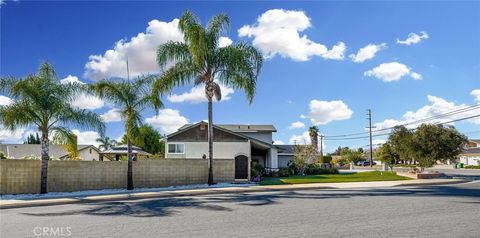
(277, 32)
(367, 52)
(167, 120)
(71, 79)
(197, 95)
(476, 93)
(337, 52)
(8, 136)
(379, 141)
(87, 137)
(90, 102)
(413, 38)
(140, 51)
(83, 101)
(224, 41)
(436, 107)
(112, 115)
(323, 112)
(4, 101)
(296, 125)
(392, 71)
(278, 142)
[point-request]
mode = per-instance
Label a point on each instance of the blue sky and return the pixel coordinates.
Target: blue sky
(419, 59)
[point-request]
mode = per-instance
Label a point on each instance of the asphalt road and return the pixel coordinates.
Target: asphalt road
(433, 211)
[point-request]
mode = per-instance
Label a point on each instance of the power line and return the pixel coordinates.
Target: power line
(450, 113)
(385, 134)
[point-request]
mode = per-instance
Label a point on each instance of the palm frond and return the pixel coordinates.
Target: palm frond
(172, 52)
(217, 91)
(238, 66)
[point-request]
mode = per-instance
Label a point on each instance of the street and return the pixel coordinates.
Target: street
(430, 211)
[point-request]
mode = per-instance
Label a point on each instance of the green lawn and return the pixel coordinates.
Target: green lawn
(335, 178)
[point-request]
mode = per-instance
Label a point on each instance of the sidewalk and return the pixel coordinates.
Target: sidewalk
(6, 204)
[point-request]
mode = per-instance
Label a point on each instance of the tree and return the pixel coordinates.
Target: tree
(313, 132)
(40, 100)
(32, 139)
(351, 155)
(148, 139)
(401, 142)
(132, 98)
(302, 157)
(433, 143)
(105, 142)
(386, 154)
(201, 60)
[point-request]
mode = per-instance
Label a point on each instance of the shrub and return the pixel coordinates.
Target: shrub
(257, 170)
(284, 172)
(319, 170)
(325, 159)
(2, 155)
(472, 167)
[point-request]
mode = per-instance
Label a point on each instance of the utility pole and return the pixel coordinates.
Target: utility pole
(321, 146)
(369, 114)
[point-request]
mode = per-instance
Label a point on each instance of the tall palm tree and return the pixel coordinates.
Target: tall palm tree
(105, 142)
(313, 132)
(40, 100)
(132, 98)
(200, 60)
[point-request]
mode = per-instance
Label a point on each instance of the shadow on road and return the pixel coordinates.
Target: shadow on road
(169, 206)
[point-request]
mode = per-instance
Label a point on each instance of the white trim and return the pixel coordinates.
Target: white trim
(174, 143)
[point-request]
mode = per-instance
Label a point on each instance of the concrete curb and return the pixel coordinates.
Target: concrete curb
(9, 204)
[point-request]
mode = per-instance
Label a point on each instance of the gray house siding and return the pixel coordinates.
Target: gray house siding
(283, 160)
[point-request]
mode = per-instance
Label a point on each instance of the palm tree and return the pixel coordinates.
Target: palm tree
(105, 142)
(40, 100)
(313, 132)
(201, 60)
(132, 98)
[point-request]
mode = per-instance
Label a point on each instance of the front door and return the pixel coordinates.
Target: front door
(241, 167)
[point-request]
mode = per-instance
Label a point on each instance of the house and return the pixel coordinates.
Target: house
(471, 154)
(246, 144)
(19, 151)
(473, 143)
(117, 151)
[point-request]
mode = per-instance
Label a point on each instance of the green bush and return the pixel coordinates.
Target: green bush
(472, 167)
(284, 172)
(325, 159)
(257, 170)
(314, 169)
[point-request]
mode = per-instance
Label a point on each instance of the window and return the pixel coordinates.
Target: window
(176, 148)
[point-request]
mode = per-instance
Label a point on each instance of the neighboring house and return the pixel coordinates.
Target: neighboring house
(246, 144)
(473, 143)
(117, 151)
(470, 156)
(19, 151)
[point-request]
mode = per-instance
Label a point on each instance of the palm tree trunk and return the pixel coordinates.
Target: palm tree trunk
(44, 168)
(130, 165)
(210, 142)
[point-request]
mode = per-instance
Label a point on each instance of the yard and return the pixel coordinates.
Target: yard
(335, 178)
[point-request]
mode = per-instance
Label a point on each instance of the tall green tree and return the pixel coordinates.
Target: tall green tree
(313, 133)
(401, 142)
(40, 100)
(105, 142)
(386, 154)
(433, 143)
(131, 97)
(351, 155)
(148, 139)
(200, 60)
(32, 139)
